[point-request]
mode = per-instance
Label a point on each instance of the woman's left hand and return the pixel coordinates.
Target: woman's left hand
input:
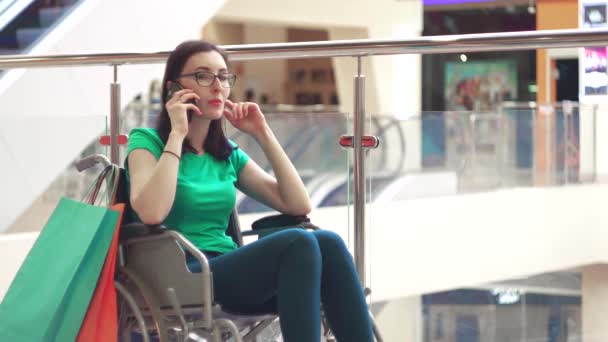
(245, 116)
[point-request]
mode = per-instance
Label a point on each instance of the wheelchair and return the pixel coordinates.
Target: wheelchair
(159, 299)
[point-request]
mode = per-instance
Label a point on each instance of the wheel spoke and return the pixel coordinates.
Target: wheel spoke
(137, 312)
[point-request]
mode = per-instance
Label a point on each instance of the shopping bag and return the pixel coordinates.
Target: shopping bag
(100, 323)
(51, 292)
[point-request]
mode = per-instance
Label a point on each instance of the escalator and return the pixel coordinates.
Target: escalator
(296, 147)
(24, 22)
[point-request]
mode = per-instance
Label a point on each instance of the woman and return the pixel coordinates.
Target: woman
(184, 174)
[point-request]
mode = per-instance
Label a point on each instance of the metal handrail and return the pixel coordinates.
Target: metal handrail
(534, 105)
(507, 41)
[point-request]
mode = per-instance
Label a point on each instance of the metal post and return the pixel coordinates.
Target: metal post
(548, 147)
(506, 125)
(473, 145)
(524, 317)
(566, 115)
(594, 176)
(359, 173)
(534, 120)
(114, 117)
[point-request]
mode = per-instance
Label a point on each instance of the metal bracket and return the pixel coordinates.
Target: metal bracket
(367, 141)
(122, 139)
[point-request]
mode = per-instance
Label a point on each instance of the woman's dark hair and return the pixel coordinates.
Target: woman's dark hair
(216, 143)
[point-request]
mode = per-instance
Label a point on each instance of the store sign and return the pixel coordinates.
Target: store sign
(594, 60)
(594, 14)
(507, 296)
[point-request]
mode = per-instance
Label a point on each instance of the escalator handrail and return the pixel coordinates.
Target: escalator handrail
(307, 142)
(384, 154)
(288, 144)
(12, 11)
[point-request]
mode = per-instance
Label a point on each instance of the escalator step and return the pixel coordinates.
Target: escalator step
(6, 52)
(49, 15)
(26, 36)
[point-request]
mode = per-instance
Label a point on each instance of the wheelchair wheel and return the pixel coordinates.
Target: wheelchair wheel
(139, 317)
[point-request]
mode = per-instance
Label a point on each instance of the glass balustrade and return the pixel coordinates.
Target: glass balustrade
(426, 163)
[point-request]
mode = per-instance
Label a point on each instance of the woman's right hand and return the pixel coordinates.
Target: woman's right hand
(178, 107)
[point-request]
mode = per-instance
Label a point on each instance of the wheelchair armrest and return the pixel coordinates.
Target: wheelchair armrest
(281, 220)
(133, 230)
(275, 223)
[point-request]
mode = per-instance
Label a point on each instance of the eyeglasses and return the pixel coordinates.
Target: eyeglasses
(206, 79)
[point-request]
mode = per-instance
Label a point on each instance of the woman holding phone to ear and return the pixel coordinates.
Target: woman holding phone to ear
(184, 174)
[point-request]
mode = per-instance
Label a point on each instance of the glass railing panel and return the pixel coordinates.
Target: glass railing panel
(418, 156)
(309, 139)
(141, 111)
(422, 155)
(516, 146)
(555, 143)
(82, 133)
(518, 152)
(311, 142)
(42, 151)
(590, 122)
(576, 153)
(485, 150)
(471, 152)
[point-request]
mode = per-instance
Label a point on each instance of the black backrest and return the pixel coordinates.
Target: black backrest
(234, 228)
(122, 196)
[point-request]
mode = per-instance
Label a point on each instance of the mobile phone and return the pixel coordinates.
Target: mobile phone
(175, 87)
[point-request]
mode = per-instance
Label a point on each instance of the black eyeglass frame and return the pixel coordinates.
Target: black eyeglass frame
(228, 80)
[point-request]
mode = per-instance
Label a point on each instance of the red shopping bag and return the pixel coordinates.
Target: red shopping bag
(100, 323)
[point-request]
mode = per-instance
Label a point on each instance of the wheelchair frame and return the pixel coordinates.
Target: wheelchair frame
(173, 300)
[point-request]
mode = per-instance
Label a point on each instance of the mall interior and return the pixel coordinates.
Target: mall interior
(484, 217)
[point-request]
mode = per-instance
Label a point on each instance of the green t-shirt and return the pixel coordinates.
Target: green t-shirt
(205, 194)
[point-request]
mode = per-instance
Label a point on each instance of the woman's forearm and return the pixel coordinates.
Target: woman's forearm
(290, 186)
(155, 198)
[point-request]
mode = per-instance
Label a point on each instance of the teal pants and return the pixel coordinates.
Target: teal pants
(293, 272)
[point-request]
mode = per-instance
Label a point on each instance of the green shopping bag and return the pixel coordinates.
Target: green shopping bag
(50, 294)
